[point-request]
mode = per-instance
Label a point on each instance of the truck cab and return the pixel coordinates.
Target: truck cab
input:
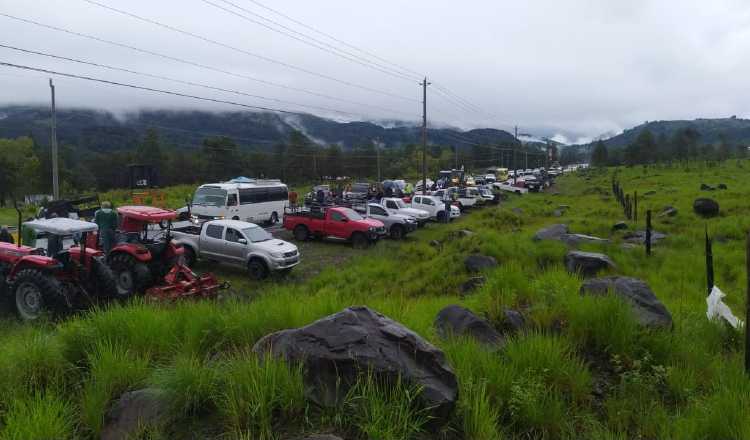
(435, 207)
(339, 223)
(397, 206)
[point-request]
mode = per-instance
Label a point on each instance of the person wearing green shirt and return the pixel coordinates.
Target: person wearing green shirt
(28, 235)
(106, 219)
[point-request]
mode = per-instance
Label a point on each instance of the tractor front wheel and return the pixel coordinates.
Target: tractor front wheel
(34, 290)
(132, 276)
(104, 279)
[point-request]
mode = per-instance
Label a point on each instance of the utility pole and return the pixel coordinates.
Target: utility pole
(424, 135)
(53, 145)
(515, 175)
(455, 148)
(377, 152)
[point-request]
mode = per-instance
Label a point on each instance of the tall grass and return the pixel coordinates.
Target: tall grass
(39, 416)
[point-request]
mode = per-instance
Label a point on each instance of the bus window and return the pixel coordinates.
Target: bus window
(232, 200)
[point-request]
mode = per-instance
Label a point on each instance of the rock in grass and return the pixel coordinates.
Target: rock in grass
(587, 263)
(133, 411)
(553, 232)
(557, 213)
(648, 310)
(619, 226)
(321, 437)
(649, 193)
(706, 207)
(513, 321)
(477, 263)
(339, 349)
(576, 239)
(723, 186)
(639, 237)
(461, 233)
(455, 320)
(517, 211)
(435, 243)
(668, 211)
(472, 284)
(705, 187)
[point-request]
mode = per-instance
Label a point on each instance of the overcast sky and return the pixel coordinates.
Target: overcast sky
(576, 68)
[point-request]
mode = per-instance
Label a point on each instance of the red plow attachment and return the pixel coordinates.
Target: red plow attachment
(181, 282)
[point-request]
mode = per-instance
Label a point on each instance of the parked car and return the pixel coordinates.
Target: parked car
(531, 183)
(464, 200)
(237, 243)
(334, 222)
(435, 206)
(398, 206)
(472, 192)
(397, 225)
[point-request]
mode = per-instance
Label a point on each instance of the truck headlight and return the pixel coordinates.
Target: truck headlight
(277, 254)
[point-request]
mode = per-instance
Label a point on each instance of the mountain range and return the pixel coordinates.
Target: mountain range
(98, 130)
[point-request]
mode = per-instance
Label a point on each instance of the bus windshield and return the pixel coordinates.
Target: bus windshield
(210, 197)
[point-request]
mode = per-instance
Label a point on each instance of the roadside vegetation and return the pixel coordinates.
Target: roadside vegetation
(583, 369)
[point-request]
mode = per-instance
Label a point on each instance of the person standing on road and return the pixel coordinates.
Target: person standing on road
(106, 219)
(5, 236)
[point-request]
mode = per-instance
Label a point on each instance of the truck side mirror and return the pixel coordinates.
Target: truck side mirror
(242, 241)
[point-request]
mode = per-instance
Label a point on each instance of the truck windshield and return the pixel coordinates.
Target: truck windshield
(210, 197)
(257, 234)
(400, 203)
(351, 214)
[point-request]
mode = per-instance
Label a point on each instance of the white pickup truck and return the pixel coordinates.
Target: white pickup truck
(397, 206)
(464, 200)
(435, 207)
(237, 243)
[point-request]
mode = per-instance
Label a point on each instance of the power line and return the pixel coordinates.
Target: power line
(306, 26)
(306, 39)
(166, 78)
(196, 64)
(148, 89)
(246, 52)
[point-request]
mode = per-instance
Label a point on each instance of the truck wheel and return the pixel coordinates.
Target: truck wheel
(104, 279)
(132, 276)
(33, 290)
(441, 217)
(301, 233)
(397, 232)
(274, 218)
(189, 256)
(257, 269)
(360, 241)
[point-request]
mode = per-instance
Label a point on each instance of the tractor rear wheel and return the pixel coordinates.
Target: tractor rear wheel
(189, 256)
(34, 290)
(131, 276)
(104, 279)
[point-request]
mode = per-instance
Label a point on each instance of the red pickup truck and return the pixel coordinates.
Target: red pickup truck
(336, 222)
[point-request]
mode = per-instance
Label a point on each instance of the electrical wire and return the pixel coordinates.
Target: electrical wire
(196, 64)
(306, 26)
(166, 78)
(306, 39)
(246, 52)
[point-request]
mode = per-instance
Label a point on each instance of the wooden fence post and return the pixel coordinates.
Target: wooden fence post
(648, 233)
(709, 264)
(635, 207)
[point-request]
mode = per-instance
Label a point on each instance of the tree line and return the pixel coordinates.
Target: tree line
(684, 145)
(25, 165)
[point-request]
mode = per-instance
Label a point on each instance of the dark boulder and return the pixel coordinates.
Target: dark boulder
(133, 411)
(458, 321)
(435, 243)
(461, 233)
(337, 350)
(649, 193)
(587, 263)
(619, 226)
(705, 187)
(553, 232)
(706, 207)
(512, 322)
(723, 186)
(472, 284)
(648, 310)
(639, 237)
(477, 263)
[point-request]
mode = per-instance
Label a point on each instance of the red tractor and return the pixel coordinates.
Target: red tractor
(145, 259)
(37, 279)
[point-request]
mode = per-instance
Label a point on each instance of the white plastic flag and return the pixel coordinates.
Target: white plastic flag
(717, 308)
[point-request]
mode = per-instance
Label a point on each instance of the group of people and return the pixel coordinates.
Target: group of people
(106, 218)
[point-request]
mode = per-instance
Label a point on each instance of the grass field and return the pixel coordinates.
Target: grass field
(583, 370)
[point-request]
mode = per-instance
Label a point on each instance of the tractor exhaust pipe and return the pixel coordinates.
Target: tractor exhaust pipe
(20, 217)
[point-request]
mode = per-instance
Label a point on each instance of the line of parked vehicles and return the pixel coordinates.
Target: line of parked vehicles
(155, 248)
